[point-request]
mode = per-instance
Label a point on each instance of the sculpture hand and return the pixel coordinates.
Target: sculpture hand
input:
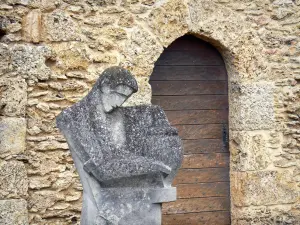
(162, 167)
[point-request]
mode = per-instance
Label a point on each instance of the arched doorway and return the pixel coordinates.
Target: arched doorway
(190, 82)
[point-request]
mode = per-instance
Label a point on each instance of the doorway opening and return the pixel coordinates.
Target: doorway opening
(190, 83)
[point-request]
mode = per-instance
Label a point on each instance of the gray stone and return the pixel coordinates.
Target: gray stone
(13, 212)
(12, 136)
(14, 183)
(252, 106)
(59, 26)
(127, 157)
(13, 97)
(29, 62)
(5, 58)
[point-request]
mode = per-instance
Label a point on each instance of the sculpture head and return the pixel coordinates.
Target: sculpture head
(116, 85)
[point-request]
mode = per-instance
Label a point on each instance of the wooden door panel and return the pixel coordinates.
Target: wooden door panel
(189, 87)
(189, 58)
(187, 73)
(194, 176)
(192, 205)
(202, 190)
(205, 160)
(203, 146)
(197, 116)
(203, 218)
(189, 81)
(191, 102)
(187, 132)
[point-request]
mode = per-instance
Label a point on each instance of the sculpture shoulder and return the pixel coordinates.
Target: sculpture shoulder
(70, 115)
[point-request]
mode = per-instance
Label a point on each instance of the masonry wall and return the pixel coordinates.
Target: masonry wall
(52, 51)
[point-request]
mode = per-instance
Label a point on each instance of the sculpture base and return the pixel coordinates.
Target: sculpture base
(124, 206)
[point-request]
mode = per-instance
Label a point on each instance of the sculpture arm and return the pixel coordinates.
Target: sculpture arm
(129, 167)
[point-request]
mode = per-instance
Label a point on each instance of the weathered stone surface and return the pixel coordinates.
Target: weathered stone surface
(40, 182)
(13, 212)
(262, 188)
(13, 97)
(5, 59)
(249, 151)
(9, 24)
(59, 26)
(113, 33)
(32, 24)
(29, 62)
(14, 183)
(141, 52)
(140, 153)
(252, 106)
(44, 5)
(71, 56)
(12, 136)
(43, 199)
(169, 21)
(264, 215)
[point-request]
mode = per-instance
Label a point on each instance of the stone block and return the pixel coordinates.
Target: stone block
(249, 150)
(251, 106)
(44, 5)
(28, 61)
(262, 188)
(264, 215)
(58, 26)
(12, 136)
(5, 59)
(14, 183)
(169, 21)
(13, 97)
(13, 212)
(32, 26)
(141, 52)
(70, 56)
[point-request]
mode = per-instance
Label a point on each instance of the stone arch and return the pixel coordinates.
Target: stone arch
(224, 28)
(242, 51)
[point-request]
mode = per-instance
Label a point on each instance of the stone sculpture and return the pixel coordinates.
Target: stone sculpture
(126, 157)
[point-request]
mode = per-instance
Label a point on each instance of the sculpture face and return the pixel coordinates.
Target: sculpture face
(113, 98)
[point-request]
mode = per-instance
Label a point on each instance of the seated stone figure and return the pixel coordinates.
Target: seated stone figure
(126, 157)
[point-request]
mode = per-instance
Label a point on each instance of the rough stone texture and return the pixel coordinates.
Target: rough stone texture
(259, 41)
(58, 26)
(249, 151)
(32, 25)
(12, 136)
(13, 180)
(247, 192)
(267, 215)
(5, 58)
(13, 97)
(29, 62)
(13, 212)
(127, 157)
(251, 106)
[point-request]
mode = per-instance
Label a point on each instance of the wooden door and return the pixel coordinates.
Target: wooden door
(189, 81)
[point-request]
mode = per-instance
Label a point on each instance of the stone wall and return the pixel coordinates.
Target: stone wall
(53, 50)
